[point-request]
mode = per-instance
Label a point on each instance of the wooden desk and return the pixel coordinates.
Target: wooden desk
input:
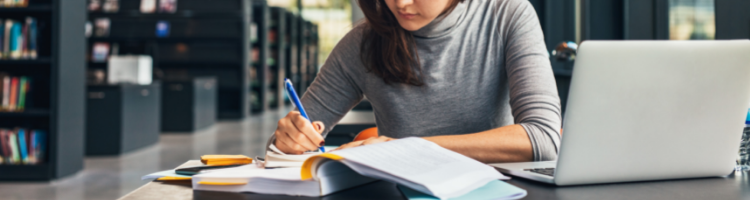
(735, 186)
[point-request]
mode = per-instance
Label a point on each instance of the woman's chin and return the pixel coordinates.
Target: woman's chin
(411, 26)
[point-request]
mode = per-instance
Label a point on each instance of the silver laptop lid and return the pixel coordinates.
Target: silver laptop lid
(648, 110)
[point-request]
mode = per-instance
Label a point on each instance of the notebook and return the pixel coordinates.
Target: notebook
(274, 159)
(165, 173)
(413, 162)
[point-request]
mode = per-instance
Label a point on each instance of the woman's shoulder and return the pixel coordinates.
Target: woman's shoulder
(351, 42)
(347, 50)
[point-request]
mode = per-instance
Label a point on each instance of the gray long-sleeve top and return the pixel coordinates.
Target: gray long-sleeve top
(485, 66)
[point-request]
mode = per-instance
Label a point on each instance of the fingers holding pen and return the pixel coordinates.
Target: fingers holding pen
(306, 128)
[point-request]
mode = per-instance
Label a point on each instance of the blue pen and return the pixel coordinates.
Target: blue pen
(295, 100)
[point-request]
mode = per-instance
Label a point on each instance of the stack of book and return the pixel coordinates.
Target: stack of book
(14, 92)
(14, 3)
(18, 40)
(22, 146)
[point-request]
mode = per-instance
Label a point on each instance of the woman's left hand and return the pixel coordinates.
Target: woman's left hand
(372, 140)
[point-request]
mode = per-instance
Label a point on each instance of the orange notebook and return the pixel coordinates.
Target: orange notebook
(216, 160)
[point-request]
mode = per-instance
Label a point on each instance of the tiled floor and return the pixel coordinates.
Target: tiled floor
(113, 177)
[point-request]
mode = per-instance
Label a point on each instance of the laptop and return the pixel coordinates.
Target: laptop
(649, 110)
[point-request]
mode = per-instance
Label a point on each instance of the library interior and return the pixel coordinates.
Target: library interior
(374, 99)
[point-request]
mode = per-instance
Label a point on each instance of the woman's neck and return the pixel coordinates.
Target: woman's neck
(443, 23)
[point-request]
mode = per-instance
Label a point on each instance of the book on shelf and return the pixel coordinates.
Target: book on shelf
(2, 38)
(167, 6)
(101, 27)
(22, 146)
(18, 40)
(14, 92)
(111, 6)
(94, 5)
(23, 88)
(100, 52)
(14, 158)
(148, 6)
(5, 151)
(5, 98)
(6, 38)
(15, 40)
(33, 34)
(14, 3)
(162, 28)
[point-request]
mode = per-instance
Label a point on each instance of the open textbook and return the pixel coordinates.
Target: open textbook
(412, 162)
(274, 159)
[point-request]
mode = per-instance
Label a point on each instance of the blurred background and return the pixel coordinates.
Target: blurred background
(98, 93)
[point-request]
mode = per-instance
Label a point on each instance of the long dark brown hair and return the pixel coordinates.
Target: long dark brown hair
(388, 50)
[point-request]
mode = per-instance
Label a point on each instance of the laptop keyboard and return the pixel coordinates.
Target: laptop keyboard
(545, 171)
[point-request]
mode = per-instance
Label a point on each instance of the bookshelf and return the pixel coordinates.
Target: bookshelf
(56, 98)
(300, 43)
(205, 38)
(260, 54)
(308, 54)
(277, 57)
(313, 53)
(291, 37)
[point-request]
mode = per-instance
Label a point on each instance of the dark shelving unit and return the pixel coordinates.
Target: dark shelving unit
(308, 54)
(277, 57)
(122, 118)
(313, 52)
(188, 105)
(291, 37)
(57, 89)
(205, 39)
(260, 54)
(41, 7)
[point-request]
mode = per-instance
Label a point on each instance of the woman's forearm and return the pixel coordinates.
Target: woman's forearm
(504, 144)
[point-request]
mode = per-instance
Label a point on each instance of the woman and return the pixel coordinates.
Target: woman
(472, 76)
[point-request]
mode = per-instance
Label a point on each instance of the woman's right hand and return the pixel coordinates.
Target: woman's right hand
(295, 134)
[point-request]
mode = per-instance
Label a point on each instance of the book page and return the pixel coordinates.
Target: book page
(417, 162)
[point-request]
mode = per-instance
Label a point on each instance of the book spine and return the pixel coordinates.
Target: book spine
(41, 145)
(15, 41)
(2, 90)
(6, 93)
(4, 145)
(22, 146)
(31, 139)
(23, 87)
(25, 40)
(33, 38)
(13, 142)
(13, 93)
(29, 147)
(2, 36)
(6, 42)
